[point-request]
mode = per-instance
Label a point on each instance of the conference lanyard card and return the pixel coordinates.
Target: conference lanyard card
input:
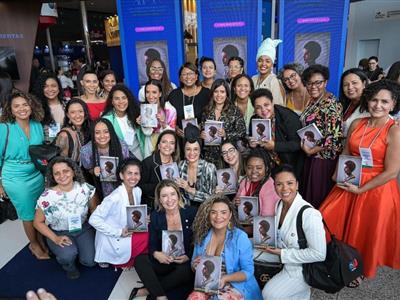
(366, 157)
(188, 111)
(54, 129)
(74, 223)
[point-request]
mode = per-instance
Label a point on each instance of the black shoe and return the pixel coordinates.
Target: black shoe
(134, 293)
(75, 274)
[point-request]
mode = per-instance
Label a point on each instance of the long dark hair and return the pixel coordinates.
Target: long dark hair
(38, 91)
(211, 104)
(158, 84)
(165, 82)
(132, 111)
(360, 74)
(85, 129)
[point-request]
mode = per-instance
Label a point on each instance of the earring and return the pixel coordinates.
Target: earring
(230, 225)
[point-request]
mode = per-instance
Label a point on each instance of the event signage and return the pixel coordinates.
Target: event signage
(150, 29)
(314, 32)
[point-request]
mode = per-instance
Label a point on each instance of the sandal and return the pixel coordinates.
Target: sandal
(356, 282)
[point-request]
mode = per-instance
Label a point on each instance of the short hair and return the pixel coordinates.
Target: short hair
(374, 88)
(264, 224)
(209, 266)
(192, 67)
(298, 68)
(350, 164)
(309, 134)
(248, 205)
(314, 48)
(261, 93)
(125, 163)
(226, 175)
(152, 53)
(261, 126)
(373, 58)
(78, 176)
(170, 170)
(109, 164)
(137, 213)
(315, 69)
(237, 58)
(230, 50)
(204, 59)
(282, 169)
(213, 129)
(173, 238)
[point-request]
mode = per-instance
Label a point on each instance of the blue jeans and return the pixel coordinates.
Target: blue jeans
(82, 246)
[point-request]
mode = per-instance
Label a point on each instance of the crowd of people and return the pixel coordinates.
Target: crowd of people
(110, 159)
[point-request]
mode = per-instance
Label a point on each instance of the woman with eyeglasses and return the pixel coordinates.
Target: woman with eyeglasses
(208, 71)
(241, 88)
(190, 98)
(90, 86)
(326, 113)
(156, 70)
(221, 109)
(235, 67)
(297, 96)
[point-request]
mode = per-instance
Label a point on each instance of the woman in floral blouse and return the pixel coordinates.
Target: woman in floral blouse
(326, 113)
(222, 109)
(62, 214)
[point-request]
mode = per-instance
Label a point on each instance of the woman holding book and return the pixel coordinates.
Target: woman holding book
(105, 142)
(326, 113)
(216, 233)
(289, 283)
(114, 243)
(221, 109)
(166, 152)
(284, 146)
(158, 271)
(258, 182)
(367, 217)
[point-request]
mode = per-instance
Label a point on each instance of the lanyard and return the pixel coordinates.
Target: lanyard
(375, 137)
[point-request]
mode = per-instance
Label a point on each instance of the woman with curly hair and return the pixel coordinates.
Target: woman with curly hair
(62, 215)
(220, 108)
(105, 142)
(216, 233)
(75, 131)
(20, 127)
(122, 111)
(49, 91)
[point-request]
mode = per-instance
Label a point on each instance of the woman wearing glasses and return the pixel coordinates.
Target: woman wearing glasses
(190, 98)
(235, 67)
(297, 96)
(156, 70)
(326, 113)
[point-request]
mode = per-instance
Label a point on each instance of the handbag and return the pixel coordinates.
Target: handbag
(7, 209)
(264, 271)
(342, 264)
(42, 154)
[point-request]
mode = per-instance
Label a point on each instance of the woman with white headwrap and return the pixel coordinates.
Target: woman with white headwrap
(265, 78)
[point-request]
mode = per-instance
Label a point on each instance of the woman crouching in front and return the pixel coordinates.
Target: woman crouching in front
(289, 283)
(216, 233)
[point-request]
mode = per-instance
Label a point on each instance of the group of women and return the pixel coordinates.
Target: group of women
(75, 214)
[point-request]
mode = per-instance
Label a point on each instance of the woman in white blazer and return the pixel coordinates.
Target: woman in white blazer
(113, 241)
(289, 283)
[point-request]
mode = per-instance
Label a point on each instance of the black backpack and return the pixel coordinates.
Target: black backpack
(342, 264)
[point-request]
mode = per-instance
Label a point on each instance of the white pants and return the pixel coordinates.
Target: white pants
(284, 285)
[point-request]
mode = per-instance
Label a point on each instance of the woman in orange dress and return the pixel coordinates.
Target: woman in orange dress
(368, 217)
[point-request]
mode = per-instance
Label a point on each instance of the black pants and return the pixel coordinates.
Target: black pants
(159, 278)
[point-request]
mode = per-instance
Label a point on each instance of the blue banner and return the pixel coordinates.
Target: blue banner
(314, 31)
(229, 28)
(150, 29)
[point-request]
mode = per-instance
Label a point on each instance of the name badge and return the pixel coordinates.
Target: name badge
(74, 223)
(54, 129)
(188, 111)
(130, 137)
(367, 158)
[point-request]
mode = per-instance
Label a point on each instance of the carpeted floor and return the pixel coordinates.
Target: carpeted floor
(24, 272)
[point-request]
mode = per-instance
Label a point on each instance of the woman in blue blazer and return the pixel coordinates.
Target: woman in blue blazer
(216, 233)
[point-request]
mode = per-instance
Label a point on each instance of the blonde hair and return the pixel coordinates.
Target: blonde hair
(167, 183)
